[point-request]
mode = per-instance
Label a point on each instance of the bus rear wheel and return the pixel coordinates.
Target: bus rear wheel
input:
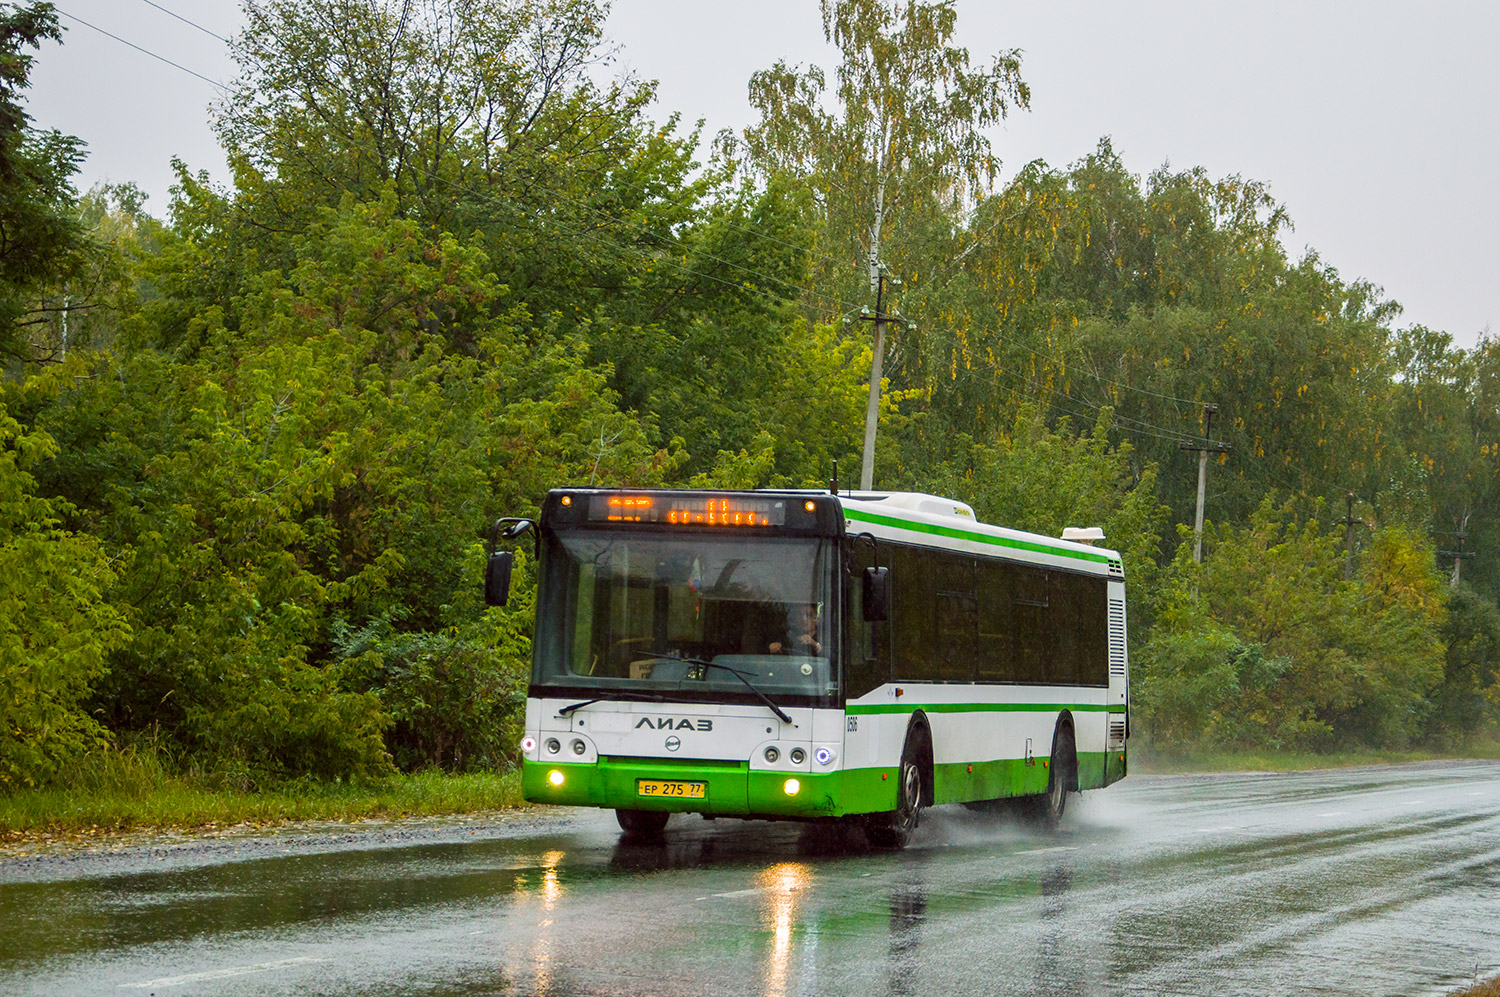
(894, 829)
(642, 823)
(1048, 808)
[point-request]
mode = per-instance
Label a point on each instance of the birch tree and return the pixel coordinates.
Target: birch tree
(902, 156)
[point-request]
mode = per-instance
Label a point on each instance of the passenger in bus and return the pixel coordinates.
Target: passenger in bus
(803, 637)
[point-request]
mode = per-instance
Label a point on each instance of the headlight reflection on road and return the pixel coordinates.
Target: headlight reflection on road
(541, 951)
(783, 884)
(551, 888)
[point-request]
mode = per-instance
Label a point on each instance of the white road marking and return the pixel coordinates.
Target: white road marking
(1054, 848)
(743, 893)
(220, 974)
(1213, 830)
(1334, 813)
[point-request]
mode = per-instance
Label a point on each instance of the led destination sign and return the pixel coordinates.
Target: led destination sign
(673, 510)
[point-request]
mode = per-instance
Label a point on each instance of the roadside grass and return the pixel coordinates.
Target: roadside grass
(132, 790)
(1157, 761)
(124, 793)
(1489, 988)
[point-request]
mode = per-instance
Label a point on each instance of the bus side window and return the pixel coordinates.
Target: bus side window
(913, 614)
(866, 644)
(957, 612)
(1082, 651)
(995, 655)
(1031, 622)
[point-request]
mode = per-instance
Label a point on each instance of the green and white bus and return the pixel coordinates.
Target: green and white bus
(814, 656)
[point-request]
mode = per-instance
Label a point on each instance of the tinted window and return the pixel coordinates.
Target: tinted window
(1080, 629)
(957, 618)
(1031, 623)
(957, 611)
(995, 654)
(913, 613)
(867, 645)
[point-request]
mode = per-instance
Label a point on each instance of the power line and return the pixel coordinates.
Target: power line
(188, 21)
(1162, 432)
(1136, 427)
(143, 51)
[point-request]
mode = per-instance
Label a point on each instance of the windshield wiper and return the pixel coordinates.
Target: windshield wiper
(737, 673)
(566, 710)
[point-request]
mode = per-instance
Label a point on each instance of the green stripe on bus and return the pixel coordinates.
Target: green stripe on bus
(865, 710)
(984, 538)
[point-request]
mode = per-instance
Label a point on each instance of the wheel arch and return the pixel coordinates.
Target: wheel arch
(920, 726)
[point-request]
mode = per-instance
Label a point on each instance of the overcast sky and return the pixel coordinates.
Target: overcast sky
(1375, 122)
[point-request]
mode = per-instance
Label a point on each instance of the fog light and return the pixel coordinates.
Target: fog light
(793, 787)
(555, 777)
(798, 756)
(823, 755)
(553, 745)
(773, 756)
(528, 744)
(579, 747)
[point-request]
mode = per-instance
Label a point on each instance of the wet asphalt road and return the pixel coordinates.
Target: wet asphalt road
(1364, 881)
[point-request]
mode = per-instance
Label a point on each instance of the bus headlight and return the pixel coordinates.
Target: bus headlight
(553, 745)
(793, 787)
(579, 747)
(824, 756)
(798, 756)
(528, 744)
(555, 777)
(773, 755)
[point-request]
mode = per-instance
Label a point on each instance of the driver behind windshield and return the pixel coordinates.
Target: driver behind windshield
(802, 632)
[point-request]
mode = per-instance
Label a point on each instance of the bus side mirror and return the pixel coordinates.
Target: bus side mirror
(497, 578)
(876, 595)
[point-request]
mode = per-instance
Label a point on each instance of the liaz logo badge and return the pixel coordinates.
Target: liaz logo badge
(674, 723)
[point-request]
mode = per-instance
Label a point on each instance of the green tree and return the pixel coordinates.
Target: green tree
(1286, 652)
(40, 238)
(57, 628)
(1467, 703)
(905, 148)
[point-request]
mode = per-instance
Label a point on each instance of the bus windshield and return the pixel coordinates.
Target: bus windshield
(657, 614)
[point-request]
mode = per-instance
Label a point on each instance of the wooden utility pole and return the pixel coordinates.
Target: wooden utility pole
(1349, 524)
(1459, 556)
(872, 408)
(1204, 449)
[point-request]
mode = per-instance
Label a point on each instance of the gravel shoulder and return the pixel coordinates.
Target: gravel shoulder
(135, 852)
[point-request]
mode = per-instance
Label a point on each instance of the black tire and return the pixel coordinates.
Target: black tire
(642, 823)
(894, 829)
(1061, 778)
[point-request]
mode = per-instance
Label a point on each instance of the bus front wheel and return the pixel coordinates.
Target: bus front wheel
(642, 823)
(894, 829)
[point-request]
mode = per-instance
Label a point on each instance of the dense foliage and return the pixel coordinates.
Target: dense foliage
(249, 451)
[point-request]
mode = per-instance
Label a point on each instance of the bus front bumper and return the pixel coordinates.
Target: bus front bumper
(729, 789)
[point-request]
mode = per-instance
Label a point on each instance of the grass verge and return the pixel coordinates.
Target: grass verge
(1146, 761)
(181, 803)
(125, 791)
(1489, 988)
